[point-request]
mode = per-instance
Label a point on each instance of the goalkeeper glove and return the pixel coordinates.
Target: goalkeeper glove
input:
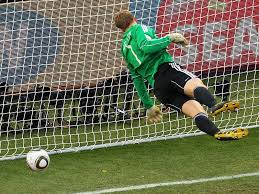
(178, 39)
(154, 114)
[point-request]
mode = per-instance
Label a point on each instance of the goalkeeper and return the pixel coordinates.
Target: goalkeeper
(147, 59)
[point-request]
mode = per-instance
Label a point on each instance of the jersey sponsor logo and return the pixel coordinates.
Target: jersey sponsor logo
(28, 44)
(221, 33)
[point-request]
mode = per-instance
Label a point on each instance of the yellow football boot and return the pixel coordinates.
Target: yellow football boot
(236, 134)
(225, 106)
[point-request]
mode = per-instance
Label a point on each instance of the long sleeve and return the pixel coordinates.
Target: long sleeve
(148, 42)
(141, 89)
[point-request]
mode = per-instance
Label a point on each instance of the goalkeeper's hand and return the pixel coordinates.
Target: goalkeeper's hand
(178, 39)
(154, 114)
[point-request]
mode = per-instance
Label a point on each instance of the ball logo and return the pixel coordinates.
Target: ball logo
(28, 44)
(221, 33)
(42, 162)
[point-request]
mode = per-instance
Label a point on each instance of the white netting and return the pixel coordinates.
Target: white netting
(63, 82)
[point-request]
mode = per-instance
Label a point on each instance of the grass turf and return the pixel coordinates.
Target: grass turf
(163, 161)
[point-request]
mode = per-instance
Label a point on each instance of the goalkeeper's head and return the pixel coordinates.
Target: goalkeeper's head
(124, 19)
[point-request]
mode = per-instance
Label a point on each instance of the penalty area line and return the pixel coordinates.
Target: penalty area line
(183, 182)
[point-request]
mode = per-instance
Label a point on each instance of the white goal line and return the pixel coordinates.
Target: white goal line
(183, 182)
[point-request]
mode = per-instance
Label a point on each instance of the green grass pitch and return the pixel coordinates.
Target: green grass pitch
(156, 162)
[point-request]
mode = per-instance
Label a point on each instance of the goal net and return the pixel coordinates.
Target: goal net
(64, 86)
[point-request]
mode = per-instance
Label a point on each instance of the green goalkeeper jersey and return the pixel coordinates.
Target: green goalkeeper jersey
(144, 52)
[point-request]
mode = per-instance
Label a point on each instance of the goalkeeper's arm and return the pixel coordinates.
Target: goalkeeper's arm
(142, 92)
(153, 112)
(149, 43)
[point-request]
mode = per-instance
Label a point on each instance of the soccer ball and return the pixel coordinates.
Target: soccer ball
(37, 160)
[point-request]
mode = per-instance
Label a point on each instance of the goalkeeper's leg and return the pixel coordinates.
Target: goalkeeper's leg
(196, 89)
(194, 109)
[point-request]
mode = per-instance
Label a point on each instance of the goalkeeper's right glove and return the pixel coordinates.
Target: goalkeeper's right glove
(178, 39)
(154, 114)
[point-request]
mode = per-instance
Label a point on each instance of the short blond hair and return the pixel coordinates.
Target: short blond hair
(123, 19)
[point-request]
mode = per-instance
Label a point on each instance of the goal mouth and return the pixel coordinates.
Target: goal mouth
(65, 87)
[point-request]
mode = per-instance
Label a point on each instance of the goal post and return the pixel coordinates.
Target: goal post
(64, 86)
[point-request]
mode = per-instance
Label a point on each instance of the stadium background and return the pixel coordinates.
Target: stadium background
(75, 42)
(74, 34)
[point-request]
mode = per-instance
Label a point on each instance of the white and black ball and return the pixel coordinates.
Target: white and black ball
(38, 160)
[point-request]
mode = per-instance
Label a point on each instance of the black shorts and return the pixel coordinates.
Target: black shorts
(170, 80)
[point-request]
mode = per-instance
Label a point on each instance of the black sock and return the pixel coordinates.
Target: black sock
(204, 124)
(203, 96)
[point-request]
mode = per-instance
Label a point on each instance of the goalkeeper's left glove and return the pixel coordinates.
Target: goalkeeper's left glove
(154, 114)
(178, 39)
